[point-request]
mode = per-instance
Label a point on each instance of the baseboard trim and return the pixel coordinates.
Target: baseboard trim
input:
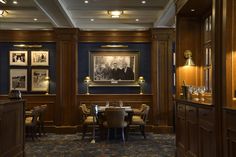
(78, 128)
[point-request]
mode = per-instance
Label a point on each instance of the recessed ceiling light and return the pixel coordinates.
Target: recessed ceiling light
(15, 2)
(192, 10)
(91, 19)
(35, 19)
(86, 2)
(3, 1)
(136, 20)
(143, 2)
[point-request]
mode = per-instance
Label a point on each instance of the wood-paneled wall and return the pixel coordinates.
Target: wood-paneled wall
(63, 112)
(162, 76)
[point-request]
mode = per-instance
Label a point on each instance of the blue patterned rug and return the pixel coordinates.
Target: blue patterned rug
(53, 145)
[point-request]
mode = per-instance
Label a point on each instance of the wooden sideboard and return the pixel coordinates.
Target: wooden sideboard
(229, 125)
(12, 128)
(195, 135)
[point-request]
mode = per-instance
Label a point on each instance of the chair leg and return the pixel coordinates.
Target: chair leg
(108, 134)
(127, 133)
(123, 135)
(84, 131)
(142, 129)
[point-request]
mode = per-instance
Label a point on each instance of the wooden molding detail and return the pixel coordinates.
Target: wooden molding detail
(114, 36)
(66, 75)
(27, 36)
(162, 79)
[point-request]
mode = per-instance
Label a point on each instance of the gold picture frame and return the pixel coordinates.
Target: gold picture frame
(114, 67)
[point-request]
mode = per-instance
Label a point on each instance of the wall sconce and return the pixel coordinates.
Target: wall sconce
(47, 79)
(188, 56)
(141, 82)
(115, 13)
(87, 81)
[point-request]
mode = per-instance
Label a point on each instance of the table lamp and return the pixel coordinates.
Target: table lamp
(87, 81)
(141, 82)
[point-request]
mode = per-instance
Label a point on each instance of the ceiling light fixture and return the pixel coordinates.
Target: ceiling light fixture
(137, 20)
(115, 13)
(35, 19)
(91, 19)
(3, 1)
(192, 10)
(143, 2)
(15, 2)
(86, 2)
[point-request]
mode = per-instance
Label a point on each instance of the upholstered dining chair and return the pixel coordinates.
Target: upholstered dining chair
(115, 118)
(40, 120)
(140, 120)
(138, 111)
(89, 119)
(31, 122)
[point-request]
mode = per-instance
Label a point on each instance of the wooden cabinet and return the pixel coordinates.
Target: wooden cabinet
(180, 130)
(191, 131)
(11, 128)
(206, 132)
(194, 130)
(229, 123)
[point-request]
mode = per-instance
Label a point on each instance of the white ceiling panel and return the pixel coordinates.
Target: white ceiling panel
(76, 13)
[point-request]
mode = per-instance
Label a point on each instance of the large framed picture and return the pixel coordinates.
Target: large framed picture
(39, 80)
(39, 58)
(18, 79)
(18, 58)
(112, 68)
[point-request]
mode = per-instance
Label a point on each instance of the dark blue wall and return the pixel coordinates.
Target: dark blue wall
(4, 65)
(144, 68)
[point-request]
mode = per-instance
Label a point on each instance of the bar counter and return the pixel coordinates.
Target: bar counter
(12, 128)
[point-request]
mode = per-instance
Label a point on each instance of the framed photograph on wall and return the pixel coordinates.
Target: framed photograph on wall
(18, 58)
(39, 80)
(112, 68)
(39, 58)
(18, 79)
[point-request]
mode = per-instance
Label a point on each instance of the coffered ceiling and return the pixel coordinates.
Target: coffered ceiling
(46, 14)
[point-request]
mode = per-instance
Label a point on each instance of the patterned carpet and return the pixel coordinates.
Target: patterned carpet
(53, 145)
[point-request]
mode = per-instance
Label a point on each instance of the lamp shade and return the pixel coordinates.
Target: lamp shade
(189, 62)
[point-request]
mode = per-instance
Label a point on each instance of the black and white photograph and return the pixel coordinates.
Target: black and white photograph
(113, 67)
(18, 58)
(39, 80)
(39, 58)
(18, 79)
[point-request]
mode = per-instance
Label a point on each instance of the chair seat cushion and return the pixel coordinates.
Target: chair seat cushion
(124, 124)
(28, 120)
(137, 120)
(89, 120)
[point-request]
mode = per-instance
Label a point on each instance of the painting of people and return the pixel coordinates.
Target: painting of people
(18, 58)
(39, 58)
(114, 67)
(39, 81)
(18, 79)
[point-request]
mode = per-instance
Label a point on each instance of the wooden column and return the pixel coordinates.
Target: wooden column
(162, 79)
(66, 77)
